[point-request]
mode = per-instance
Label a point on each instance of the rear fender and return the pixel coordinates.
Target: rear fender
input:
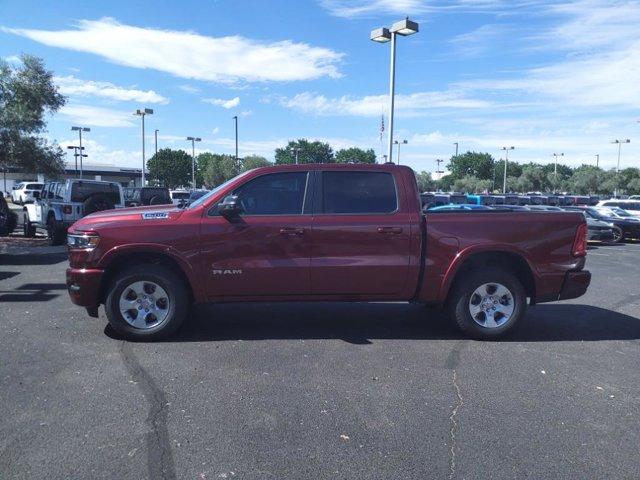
(467, 253)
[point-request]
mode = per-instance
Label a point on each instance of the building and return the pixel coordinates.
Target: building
(127, 177)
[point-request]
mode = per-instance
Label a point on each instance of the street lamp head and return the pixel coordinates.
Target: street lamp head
(148, 111)
(380, 35)
(71, 147)
(197, 139)
(405, 27)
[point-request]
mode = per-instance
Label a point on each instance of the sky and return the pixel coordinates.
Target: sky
(543, 76)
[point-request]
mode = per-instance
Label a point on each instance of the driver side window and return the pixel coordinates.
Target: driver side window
(273, 194)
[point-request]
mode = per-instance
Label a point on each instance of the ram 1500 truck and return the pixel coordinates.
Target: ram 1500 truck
(322, 232)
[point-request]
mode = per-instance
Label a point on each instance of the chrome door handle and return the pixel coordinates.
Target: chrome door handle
(393, 230)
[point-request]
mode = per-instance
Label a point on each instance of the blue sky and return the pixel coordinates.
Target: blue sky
(543, 76)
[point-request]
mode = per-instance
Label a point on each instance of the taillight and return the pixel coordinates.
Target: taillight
(67, 209)
(580, 242)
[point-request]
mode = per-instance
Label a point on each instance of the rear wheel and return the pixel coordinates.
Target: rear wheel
(55, 232)
(147, 302)
(487, 303)
(28, 229)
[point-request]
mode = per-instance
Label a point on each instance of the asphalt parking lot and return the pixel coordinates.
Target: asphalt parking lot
(320, 391)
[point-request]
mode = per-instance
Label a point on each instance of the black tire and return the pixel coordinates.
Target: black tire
(97, 203)
(173, 285)
(55, 232)
(156, 200)
(28, 229)
(458, 303)
(618, 235)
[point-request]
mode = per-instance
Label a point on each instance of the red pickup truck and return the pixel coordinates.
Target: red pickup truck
(322, 233)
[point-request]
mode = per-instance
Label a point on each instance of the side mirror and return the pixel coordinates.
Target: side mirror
(230, 207)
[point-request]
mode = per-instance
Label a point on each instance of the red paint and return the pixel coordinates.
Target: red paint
(318, 256)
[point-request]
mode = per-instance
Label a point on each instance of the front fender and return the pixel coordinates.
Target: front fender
(57, 213)
(117, 252)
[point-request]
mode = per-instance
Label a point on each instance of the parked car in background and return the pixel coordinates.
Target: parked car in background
(8, 219)
(544, 208)
(464, 206)
(481, 199)
(139, 196)
(322, 232)
(617, 211)
(623, 229)
(179, 196)
(631, 206)
(599, 231)
(60, 204)
(24, 192)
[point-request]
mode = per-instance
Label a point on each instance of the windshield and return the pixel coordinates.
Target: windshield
(206, 197)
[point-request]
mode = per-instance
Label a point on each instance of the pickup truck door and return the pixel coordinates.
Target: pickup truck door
(265, 250)
(361, 235)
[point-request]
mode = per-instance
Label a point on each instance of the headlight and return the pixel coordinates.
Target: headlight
(83, 242)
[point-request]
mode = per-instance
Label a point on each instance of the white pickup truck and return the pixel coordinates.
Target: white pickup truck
(60, 204)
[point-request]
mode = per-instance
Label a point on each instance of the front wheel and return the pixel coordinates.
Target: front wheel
(487, 303)
(147, 302)
(618, 236)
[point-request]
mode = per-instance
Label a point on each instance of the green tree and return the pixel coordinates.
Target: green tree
(355, 155)
(425, 182)
(170, 168)
(309, 152)
(513, 170)
(476, 164)
(27, 95)
(254, 161)
(586, 179)
(471, 184)
(216, 169)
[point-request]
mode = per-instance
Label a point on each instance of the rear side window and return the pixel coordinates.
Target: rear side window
(33, 186)
(80, 191)
(273, 194)
(358, 192)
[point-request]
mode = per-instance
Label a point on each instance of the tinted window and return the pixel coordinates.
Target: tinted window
(80, 191)
(33, 186)
(358, 192)
(273, 194)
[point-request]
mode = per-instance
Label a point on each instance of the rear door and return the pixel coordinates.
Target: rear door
(361, 234)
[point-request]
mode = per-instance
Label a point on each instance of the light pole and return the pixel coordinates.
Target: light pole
(619, 142)
(236, 120)
(75, 154)
(193, 159)
(155, 133)
(142, 112)
(396, 142)
(456, 144)
(439, 161)
(80, 130)
(506, 160)
(404, 28)
(555, 170)
(597, 160)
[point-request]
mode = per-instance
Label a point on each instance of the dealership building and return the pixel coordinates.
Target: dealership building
(127, 177)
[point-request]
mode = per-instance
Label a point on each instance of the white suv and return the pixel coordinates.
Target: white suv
(24, 192)
(631, 206)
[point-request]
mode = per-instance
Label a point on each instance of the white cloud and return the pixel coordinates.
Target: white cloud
(99, 154)
(215, 131)
(414, 104)
(76, 87)
(189, 89)
(190, 55)
(221, 102)
(246, 113)
(12, 59)
(87, 115)
(360, 8)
